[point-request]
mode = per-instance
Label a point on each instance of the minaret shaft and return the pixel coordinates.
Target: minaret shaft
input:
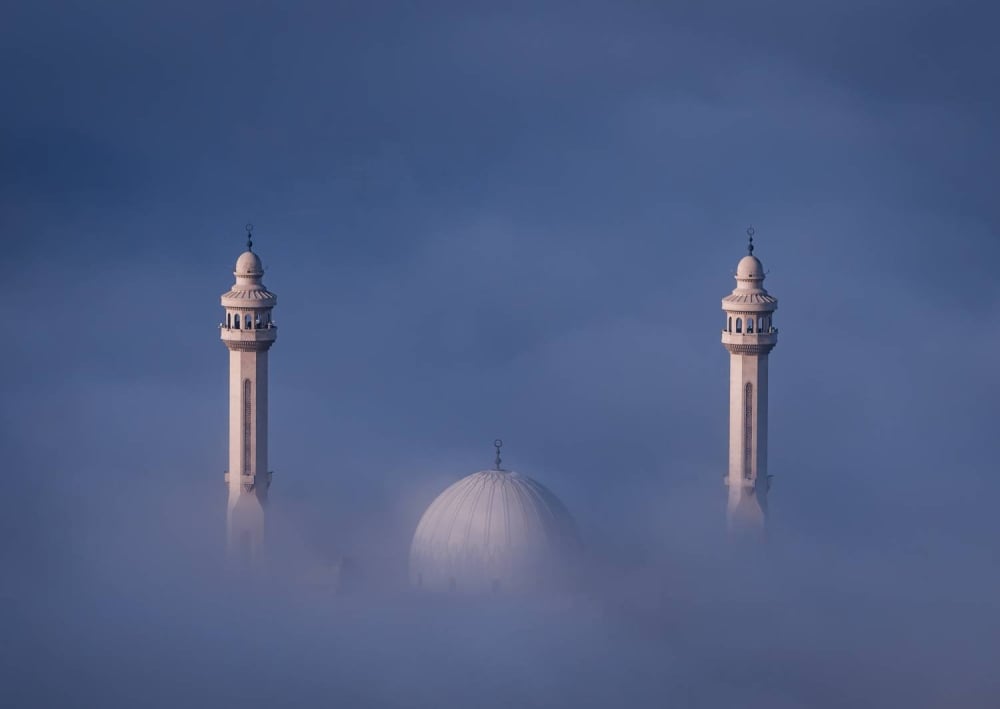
(247, 414)
(747, 478)
(248, 471)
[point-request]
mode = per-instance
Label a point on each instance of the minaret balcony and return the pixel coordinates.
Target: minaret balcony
(750, 338)
(243, 339)
(750, 342)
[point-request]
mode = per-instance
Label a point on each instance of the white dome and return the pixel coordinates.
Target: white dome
(248, 264)
(493, 530)
(749, 267)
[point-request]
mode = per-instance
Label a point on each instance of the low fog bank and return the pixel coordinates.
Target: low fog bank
(136, 608)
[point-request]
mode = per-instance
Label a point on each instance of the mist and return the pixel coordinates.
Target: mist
(512, 222)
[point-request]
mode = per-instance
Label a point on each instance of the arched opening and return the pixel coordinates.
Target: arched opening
(749, 324)
(739, 324)
(747, 430)
(247, 425)
(247, 322)
(729, 326)
(236, 321)
(257, 322)
(229, 319)
(760, 324)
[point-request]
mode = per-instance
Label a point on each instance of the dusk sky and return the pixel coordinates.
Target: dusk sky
(508, 220)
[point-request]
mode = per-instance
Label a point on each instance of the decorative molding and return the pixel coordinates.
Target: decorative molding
(749, 349)
(248, 345)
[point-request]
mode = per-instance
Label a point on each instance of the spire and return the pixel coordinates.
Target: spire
(498, 444)
(249, 237)
(750, 232)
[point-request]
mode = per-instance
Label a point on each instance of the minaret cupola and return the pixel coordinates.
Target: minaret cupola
(248, 304)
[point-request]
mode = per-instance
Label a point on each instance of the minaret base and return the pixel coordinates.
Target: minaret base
(245, 527)
(746, 512)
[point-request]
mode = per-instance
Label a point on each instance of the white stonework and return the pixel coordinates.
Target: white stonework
(749, 335)
(493, 531)
(248, 332)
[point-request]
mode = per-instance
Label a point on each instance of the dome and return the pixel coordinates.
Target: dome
(248, 264)
(749, 267)
(493, 530)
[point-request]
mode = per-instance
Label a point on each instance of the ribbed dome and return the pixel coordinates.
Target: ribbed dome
(493, 530)
(248, 264)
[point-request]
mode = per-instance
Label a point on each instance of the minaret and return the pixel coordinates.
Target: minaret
(248, 332)
(749, 335)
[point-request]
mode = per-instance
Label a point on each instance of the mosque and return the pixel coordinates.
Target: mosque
(494, 530)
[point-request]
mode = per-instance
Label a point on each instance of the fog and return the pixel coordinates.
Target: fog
(516, 223)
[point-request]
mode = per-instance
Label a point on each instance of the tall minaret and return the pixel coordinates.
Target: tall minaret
(248, 333)
(749, 335)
